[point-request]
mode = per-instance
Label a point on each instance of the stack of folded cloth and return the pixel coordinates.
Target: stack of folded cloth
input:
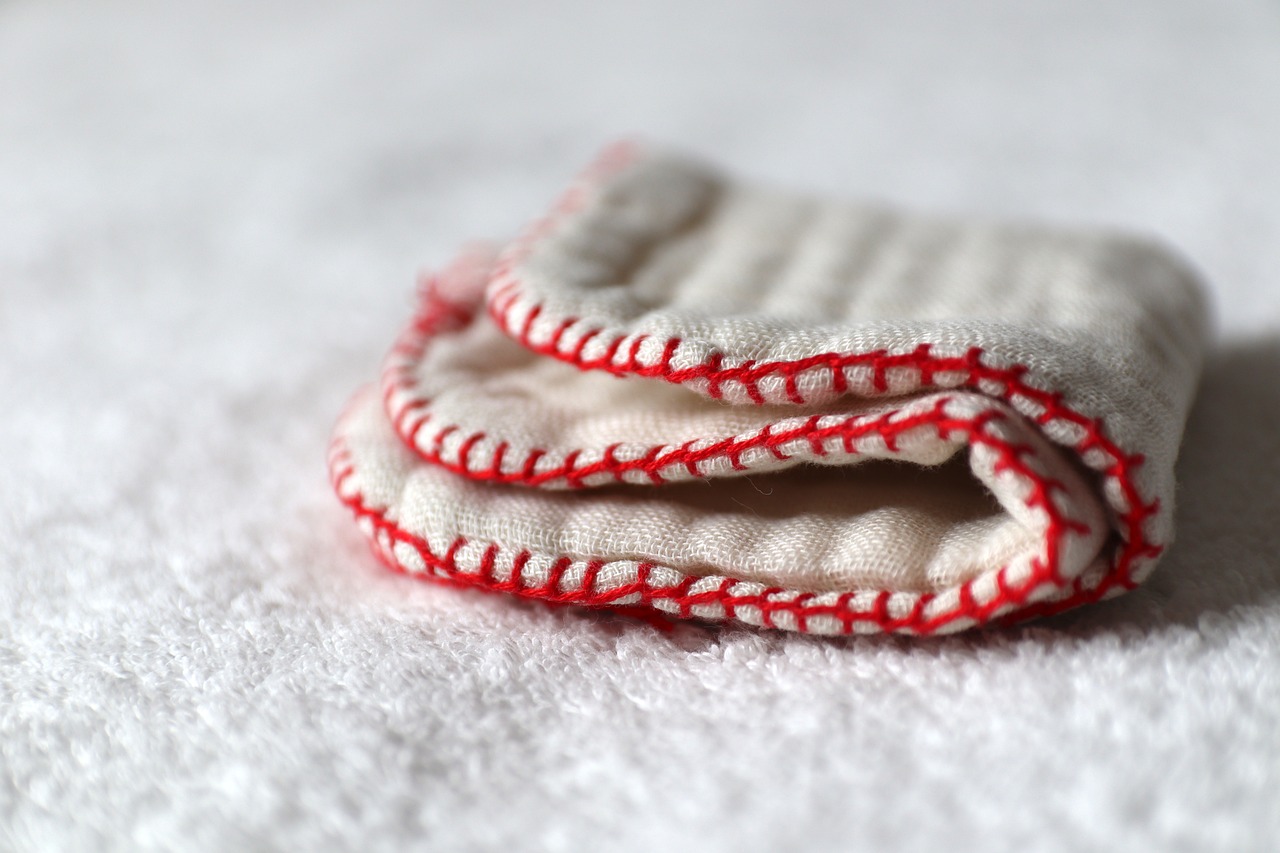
(685, 394)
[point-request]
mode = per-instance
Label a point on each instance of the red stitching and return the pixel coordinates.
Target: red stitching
(399, 388)
(978, 375)
(516, 582)
(398, 383)
(582, 342)
(770, 602)
(1007, 383)
(558, 568)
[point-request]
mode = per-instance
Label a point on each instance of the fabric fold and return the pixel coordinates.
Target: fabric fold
(681, 392)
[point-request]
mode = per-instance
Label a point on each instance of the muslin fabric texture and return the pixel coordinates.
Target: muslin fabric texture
(686, 392)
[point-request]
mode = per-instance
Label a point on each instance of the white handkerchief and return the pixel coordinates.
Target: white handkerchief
(681, 392)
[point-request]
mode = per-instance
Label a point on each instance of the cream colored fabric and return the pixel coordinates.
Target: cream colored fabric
(662, 246)
(516, 452)
(891, 526)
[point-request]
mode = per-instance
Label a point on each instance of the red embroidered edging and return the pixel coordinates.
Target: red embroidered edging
(1133, 512)
(1006, 384)
(674, 599)
(802, 607)
(622, 357)
(409, 411)
(972, 370)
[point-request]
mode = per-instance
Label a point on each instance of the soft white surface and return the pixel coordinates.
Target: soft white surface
(209, 221)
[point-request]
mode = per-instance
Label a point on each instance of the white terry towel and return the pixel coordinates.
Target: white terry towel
(685, 393)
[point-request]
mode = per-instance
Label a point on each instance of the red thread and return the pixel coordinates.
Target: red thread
(1011, 380)
(505, 294)
(399, 392)
(770, 603)
(888, 426)
(398, 388)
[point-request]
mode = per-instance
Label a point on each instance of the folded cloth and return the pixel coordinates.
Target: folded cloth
(725, 402)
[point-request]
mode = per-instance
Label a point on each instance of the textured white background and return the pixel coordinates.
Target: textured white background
(210, 220)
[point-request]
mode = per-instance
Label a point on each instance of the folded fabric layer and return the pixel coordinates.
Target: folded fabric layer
(726, 402)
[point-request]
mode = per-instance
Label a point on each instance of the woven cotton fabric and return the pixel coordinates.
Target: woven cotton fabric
(683, 392)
